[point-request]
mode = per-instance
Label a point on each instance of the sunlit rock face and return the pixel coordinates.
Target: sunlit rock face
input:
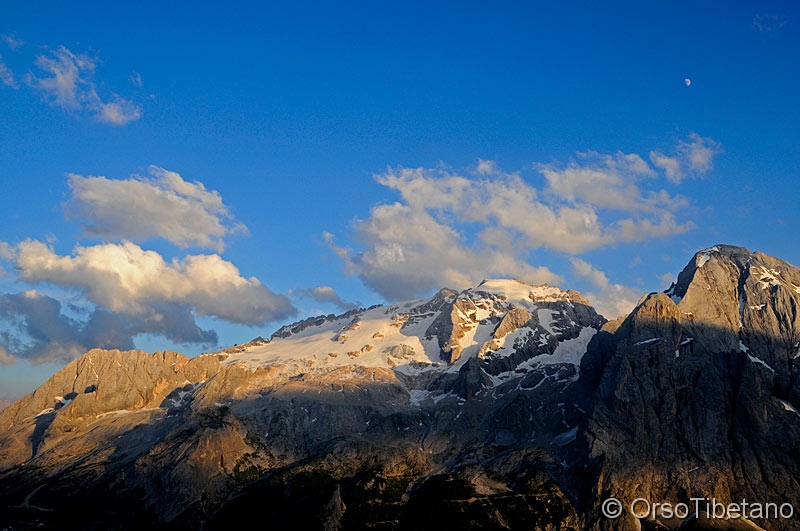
(504, 406)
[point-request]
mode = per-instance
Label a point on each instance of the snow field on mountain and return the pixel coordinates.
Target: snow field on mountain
(366, 340)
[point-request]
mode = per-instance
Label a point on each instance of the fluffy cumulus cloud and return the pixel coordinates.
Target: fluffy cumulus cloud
(610, 300)
(691, 158)
(129, 280)
(409, 253)
(132, 291)
(66, 80)
(162, 205)
(454, 230)
(125, 290)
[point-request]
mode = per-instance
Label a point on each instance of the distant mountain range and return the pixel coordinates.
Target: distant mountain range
(504, 406)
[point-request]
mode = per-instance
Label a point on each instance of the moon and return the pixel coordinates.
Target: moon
(687, 81)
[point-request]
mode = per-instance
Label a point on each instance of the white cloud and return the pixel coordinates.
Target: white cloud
(610, 182)
(129, 280)
(324, 295)
(486, 167)
(70, 86)
(12, 42)
(670, 165)
(7, 76)
(136, 80)
(451, 230)
(667, 278)
(691, 159)
(67, 70)
(506, 202)
(127, 291)
(643, 229)
(409, 253)
(700, 152)
(7, 252)
(138, 208)
(769, 23)
(611, 300)
(118, 112)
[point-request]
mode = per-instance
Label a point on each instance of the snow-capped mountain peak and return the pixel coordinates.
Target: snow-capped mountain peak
(501, 322)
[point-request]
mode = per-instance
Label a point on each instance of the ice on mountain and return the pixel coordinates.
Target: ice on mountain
(705, 255)
(565, 438)
(789, 407)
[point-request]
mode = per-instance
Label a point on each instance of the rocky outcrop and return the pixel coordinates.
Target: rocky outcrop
(690, 394)
(515, 319)
(452, 326)
(296, 328)
(106, 381)
(528, 413)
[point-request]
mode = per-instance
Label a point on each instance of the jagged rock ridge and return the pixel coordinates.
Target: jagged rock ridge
(695, 392)
(506, 406)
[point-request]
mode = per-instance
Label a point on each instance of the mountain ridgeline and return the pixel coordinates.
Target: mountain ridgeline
(504, 406)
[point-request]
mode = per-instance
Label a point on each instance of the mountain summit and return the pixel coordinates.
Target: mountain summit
(504, 406)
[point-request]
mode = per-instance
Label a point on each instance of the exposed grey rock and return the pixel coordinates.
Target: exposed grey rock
(686, 398)
(695, 393)
(451, 326)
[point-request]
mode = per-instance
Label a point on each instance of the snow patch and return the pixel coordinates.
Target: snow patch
(519, 291)
(568, 351)
(546, 319)
(418, 396)
(761, 362)
(647, 341)
(63, 402)
(789, 407)
(705, 255)
(768, 279)
(565, 438)
(367, 344)
(510, 288)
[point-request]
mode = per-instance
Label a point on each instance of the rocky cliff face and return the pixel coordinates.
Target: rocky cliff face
(506, 406)
(695, 392)
(363, 419)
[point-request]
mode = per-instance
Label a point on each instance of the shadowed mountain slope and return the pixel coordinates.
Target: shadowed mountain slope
(506, 406)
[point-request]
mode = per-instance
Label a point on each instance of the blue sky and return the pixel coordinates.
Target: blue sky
(190, 177)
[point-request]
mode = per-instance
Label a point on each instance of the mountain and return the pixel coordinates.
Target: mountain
(695, 393)
(504, 406)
